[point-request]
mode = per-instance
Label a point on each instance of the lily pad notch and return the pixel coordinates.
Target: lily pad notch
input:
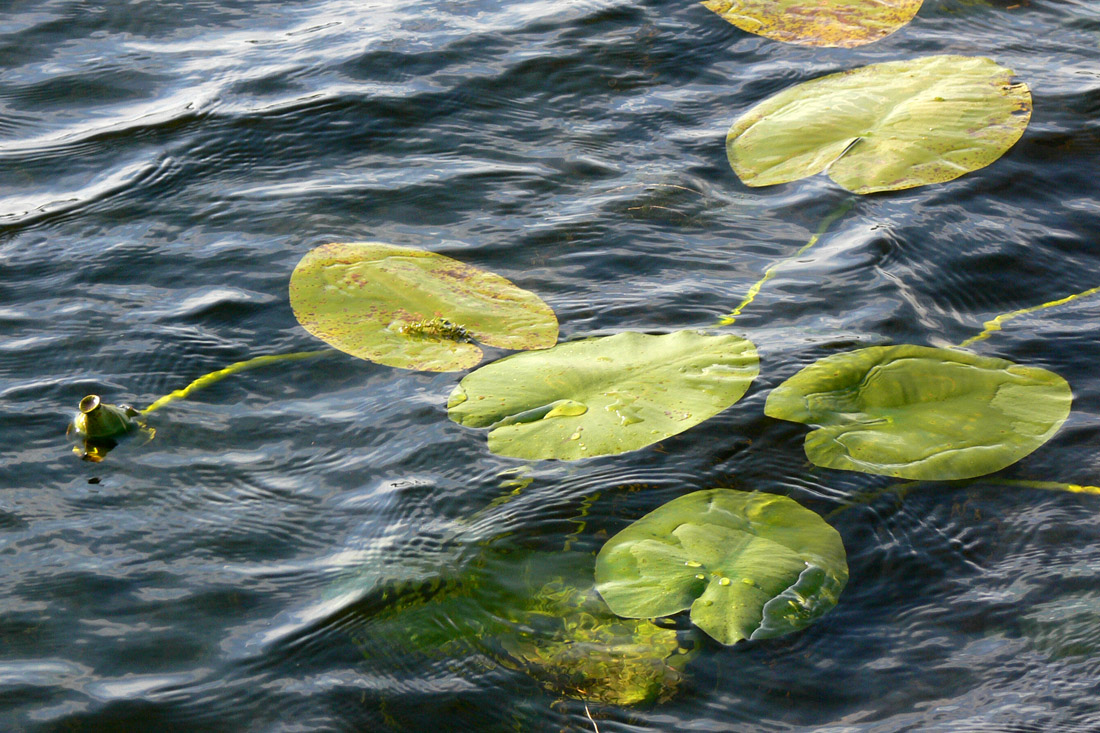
(921, 413)
(883, 127)
(748, 565)
(605, 395)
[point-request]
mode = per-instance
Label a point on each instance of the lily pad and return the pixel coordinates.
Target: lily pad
(884, 127)
(921, 413)
(843, 23)
(603, 396)
(412, 309)
(748, 565)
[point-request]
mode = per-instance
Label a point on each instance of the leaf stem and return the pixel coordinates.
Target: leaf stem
(594, 726)
(902, 488)
(844, 207)
(207, 379)
(1052, 486)
(994, 325)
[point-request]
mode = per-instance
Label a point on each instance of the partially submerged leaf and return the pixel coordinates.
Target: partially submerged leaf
(922, 413)
(884, 127)
(843, 23)
(535, 612)
(570, 641)
(1065, 626)
(603, 396)
(412, 309)
(748, 565)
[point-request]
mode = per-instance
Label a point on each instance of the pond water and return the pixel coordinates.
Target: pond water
(314, 545)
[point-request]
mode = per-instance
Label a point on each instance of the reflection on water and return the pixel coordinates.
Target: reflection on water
(259, 563)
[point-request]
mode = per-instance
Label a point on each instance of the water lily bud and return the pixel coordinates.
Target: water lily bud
(97, 419)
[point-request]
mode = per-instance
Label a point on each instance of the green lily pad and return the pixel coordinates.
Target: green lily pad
(921, 413)
(603, 396)
(843, 23)
(413, 309)
(748, 565)
(884, 127)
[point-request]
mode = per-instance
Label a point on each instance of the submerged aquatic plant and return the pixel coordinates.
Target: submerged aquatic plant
(568, 639)
(535, 613)
(746, 565)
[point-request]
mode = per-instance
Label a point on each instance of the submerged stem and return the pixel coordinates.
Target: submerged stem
(769, 273)
(903, 488)
(994, 325)
(594, 726)
(207, 379)
(1052, 486)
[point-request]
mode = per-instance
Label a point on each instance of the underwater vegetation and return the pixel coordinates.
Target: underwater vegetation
(744, 565)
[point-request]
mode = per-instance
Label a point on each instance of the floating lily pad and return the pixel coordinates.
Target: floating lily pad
(921, 413)
(748, 565)
(843, 23)
(603, 396)
(413, 309)
(884, 127)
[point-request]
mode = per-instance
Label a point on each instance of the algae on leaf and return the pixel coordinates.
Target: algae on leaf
(883, 127)
(603, 396)
(843, 23)
(748, 565)
(921, 413)
(412, 309)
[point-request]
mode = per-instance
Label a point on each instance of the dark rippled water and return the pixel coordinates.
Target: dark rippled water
(166, 164)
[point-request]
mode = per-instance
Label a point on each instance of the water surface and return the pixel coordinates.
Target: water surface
(165, 166)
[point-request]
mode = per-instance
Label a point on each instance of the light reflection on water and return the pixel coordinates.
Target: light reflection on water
(168, 165)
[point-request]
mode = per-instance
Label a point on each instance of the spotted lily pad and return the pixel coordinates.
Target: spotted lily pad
(843, 23)
(603, 396)
(921, 413)
(412, 309)
(748, 565)
(884, 127)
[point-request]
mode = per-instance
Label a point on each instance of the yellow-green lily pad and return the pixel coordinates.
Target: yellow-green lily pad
(412, 309)
(842, 23)
(748, 565)
(603, 396)
(884, 127)
(921, 413)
